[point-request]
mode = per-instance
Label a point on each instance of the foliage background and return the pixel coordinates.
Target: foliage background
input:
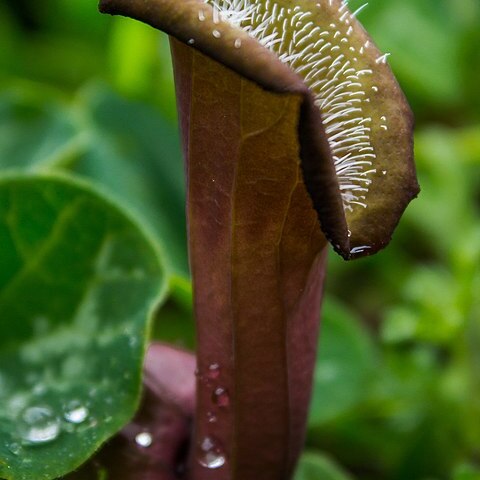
(397, 388)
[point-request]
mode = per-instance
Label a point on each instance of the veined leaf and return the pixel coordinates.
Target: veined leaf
(257, 257)
(78, 281)
(123, 146)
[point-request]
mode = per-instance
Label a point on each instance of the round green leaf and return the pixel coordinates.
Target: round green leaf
(78, 283)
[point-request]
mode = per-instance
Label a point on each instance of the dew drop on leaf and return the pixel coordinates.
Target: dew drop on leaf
(39, 425)
(76, 412)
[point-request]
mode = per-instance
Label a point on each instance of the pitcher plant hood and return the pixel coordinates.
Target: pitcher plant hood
(355, 128)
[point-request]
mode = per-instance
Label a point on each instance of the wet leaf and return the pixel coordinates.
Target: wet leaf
(78, 280)
(155, 443)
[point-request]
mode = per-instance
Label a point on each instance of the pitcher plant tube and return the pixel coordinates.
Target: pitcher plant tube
(295, 133)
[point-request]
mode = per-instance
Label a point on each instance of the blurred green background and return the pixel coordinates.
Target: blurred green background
(397, 387)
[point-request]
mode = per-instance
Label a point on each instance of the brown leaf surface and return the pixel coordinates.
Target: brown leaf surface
(257, 259)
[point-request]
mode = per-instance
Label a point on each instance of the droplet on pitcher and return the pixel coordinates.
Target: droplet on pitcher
(76, 413)
(210, 454)
(213, 371)
(143, 439)
(39, 425)
(220, 397)
(211, 417)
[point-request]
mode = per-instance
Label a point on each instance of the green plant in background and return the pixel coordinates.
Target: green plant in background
(408, 356)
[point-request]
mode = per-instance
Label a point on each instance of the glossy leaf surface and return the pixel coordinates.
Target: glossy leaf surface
(78, 280)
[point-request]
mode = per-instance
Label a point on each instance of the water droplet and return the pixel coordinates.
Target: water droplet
(213, 371)
(191, 41)
(216, 34)
(238, 43)
(143, 439)
(76, 412)
(211, 417)
(39, 425)
(220, 397)
(384, 172)
(210, 454)
(349, 233)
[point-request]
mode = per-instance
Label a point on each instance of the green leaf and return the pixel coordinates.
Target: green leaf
(466, 472)
(78, 282)
(135, 153)
(345, 360)
(314, 466)
(34, 129)
(123, 146)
